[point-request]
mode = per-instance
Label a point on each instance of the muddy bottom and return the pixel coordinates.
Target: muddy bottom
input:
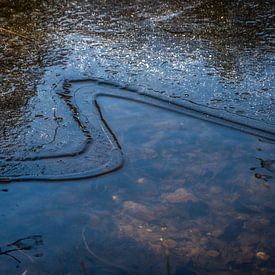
(193, 197)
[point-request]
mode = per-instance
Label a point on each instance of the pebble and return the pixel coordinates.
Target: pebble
(262, 256)
(156, 248)
(138, 210)
(114, 198)
(141, 181)
(169, 243)
(213, 253)
(180, 195)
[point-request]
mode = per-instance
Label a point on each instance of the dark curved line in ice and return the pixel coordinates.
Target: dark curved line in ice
(123, 92)
(188, 108)
(82, 149)
(107, 125)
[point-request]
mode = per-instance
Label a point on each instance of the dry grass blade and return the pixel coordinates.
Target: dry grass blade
(15, 33)
(99, 258)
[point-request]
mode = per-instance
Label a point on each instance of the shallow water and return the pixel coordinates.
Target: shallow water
(185, 201)
(183, 130)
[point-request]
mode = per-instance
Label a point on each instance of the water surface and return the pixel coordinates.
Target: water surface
(192, 196)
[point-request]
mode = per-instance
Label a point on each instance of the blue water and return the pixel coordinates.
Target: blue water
(189, 183)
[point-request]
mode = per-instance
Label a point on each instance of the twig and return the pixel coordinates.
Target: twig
(19, 247)
(9, 255)
(166, 254)
(15, 33)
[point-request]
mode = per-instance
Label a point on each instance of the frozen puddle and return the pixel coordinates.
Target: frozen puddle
(77, 141)
(194, 195)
